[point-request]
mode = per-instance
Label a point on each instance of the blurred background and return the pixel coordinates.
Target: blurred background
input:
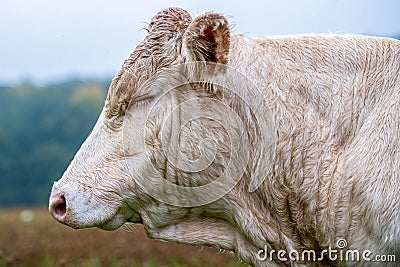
(57, 59)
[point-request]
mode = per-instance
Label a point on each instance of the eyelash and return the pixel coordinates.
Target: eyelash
(141, 103)
(137, 104)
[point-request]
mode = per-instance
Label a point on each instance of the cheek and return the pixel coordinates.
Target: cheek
(133, 140)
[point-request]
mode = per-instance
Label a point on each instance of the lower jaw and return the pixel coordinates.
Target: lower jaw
(119, 220)
(111, 225)
(115, 224)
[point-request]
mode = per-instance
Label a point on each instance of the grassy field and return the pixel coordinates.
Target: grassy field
(33, 238)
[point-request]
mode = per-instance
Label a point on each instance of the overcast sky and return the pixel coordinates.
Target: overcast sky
(48, 40)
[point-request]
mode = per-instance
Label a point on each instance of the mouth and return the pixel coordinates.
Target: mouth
(135, 219)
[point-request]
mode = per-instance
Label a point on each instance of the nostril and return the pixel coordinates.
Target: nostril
(61, 208)
(58, 207)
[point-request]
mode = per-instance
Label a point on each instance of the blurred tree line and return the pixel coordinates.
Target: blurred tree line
(41, 128)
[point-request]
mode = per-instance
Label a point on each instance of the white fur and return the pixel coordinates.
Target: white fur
(328, 105)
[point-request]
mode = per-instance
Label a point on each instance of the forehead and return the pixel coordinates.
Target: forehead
(158, 50)
(144, 62)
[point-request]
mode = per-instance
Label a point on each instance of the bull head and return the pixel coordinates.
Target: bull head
(173, 142)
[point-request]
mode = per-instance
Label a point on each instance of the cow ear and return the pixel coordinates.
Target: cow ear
(207, 39)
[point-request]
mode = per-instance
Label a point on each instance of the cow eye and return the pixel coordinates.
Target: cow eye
(137, 103)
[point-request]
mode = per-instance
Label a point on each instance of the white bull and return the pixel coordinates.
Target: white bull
(274, 148)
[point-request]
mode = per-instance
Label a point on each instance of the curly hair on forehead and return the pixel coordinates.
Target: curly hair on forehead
(158, 50)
